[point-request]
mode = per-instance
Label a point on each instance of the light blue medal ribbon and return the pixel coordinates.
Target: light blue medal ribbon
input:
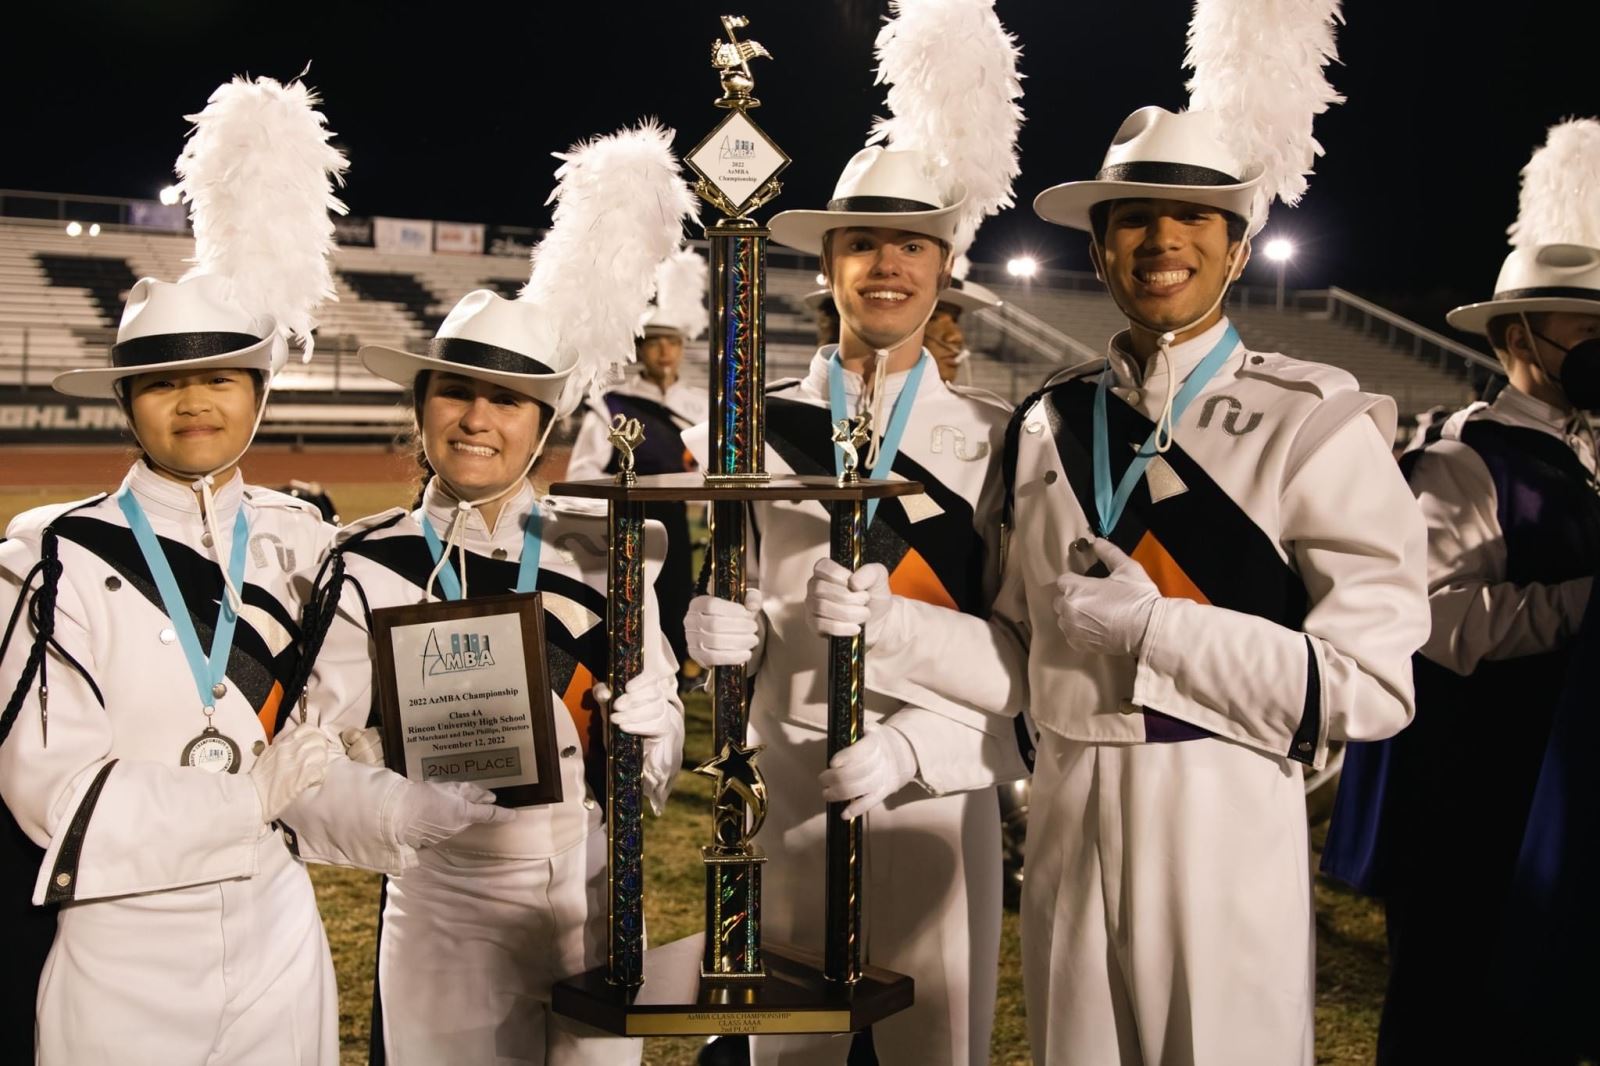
(211, 750)
(889, 446)
(1108, 506)
(527, 570)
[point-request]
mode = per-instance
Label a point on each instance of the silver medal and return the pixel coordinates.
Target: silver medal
(213, 752)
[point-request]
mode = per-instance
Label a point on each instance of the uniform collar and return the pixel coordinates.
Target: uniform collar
(1515, 407)
(439, 506)
(1185, 357)
(816, 379)
(176, 502)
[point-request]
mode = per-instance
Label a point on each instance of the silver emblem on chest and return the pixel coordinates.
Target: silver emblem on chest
(1230, 420)
(936, 444)
(259, 555)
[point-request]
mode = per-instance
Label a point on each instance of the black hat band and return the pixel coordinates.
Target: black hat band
(1550, 292)
(483, 356)
(178, 347)
(1153, 173)
(882, 205)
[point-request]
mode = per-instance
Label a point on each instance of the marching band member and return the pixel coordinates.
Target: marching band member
(1213, 570)
(1508, 491)
(139, 746)
(488, 907)
(888, 240)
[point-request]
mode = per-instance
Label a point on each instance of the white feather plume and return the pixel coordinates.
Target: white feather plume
(1258, 65)
(951, 68)
(1560, 200)
(258, 174)
(621, 205)
(681, 293)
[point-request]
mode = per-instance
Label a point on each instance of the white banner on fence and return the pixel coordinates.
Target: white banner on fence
(464, 238)
(404, 235)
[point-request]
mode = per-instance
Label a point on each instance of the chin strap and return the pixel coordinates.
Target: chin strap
(1165, 340)
(203, 484)
(455, 536)
(872, 387)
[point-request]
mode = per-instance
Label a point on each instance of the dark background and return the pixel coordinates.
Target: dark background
(451, 111)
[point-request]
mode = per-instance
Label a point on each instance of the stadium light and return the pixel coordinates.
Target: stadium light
(1280, 251)
(822, 279)
(1022, 266)
(74, 229)
(94, 229)
(168, 195)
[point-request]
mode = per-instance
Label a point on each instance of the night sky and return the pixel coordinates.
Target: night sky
(450, 113)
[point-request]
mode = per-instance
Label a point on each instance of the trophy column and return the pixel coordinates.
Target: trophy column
(624, 753)
(847, 669)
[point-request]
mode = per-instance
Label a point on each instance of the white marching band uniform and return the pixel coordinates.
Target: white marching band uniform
(1167, 911)
(188, 933)
(933, 856)
(592, 450)
(477, 928)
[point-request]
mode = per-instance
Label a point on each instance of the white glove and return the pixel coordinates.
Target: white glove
(869, 771)
(363, 745)
(839, 603)
(291, 765)
(645, 710)
(428, 813)
(1107, 615)
(723, 633)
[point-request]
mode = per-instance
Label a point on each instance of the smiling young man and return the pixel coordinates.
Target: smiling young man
(1213, 570)
(932, 903)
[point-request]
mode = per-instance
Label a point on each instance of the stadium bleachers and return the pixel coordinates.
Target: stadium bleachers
(60, 297)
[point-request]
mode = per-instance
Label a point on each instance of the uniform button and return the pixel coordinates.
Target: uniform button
(498, 553)
(1303, 746)
(1082, 544)
(1034, 427)
(168, 636)
(569, 751)
(1134, 396)
(113, 583)
(1128, 707)
(1049, 477)
(219, 690)
(588, 803)
(1258, 359)
(205, 538)
(63, 880)
(258, 747)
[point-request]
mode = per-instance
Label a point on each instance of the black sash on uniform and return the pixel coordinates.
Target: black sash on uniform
(939, 560)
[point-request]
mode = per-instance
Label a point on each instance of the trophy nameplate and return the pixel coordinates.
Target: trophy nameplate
(464, 692)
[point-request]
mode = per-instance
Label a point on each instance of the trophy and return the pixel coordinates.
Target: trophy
(728, 980)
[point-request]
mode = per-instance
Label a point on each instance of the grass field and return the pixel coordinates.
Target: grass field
(1351, 964)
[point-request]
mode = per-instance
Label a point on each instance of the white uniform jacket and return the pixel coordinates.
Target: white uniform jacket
(350, 819)
(97, 781)
(943, 553)
(680, 405)
(1478, 612)
(1287, 546)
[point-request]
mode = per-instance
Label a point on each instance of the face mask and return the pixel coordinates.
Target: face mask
(1580, 372)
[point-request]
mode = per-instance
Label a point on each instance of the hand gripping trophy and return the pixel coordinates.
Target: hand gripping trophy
(727, 979)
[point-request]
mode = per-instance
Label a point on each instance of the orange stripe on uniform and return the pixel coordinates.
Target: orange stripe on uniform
(1165, 571)
(268, 714)
(579, 705)
(914, 579)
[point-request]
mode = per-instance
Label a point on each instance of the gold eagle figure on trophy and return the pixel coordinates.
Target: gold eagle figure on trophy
(732, 58)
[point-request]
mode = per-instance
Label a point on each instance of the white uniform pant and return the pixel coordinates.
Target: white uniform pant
(471, 948)
(932, 906)
(235, 973)
(1166, 907)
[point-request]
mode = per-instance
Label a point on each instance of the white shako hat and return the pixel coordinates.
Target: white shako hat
(187, 325)
(490, 338)
(967, 296)
(1159, 155)
(679, 309)
(880, 187)
(1544, 277)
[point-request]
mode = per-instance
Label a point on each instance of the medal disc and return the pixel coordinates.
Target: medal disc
(212, 752)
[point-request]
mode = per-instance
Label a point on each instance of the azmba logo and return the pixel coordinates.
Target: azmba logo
(467, 651)
(736, 148)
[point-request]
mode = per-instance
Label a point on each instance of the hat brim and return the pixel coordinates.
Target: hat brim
(402, 368)
(100, 383)
(1475, 318)
(1068, 204)
(803, 230)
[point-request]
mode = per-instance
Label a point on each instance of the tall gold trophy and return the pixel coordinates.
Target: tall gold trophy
(726, 980)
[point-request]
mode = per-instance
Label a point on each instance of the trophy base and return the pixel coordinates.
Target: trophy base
(651, 488)
(794, 997)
